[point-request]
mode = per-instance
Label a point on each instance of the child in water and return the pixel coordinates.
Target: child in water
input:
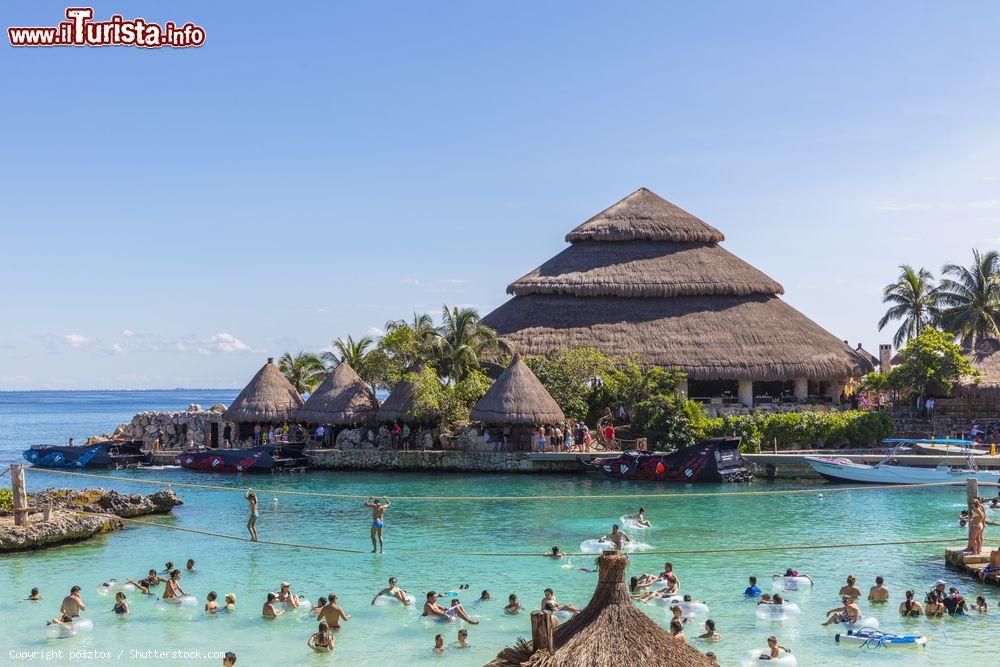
(513, 606)
(981, 605)
(463, 639)
(121, 606)
(439, 643)
(774, 649)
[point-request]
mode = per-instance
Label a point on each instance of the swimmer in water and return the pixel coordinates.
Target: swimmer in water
(393, 591)
(850, 588)
(463, 639)
(640, 518)
(168, 567)
(848, 613)
(981, 605)
(230, 602)
(910, 607)
(378, 509)
(320, 603)
(211, 606)
(121, 606)
(513, 605)
(34, 596)
(251, 499)
(457, 610)
(190, 565)
(710, 634)
(173, 587)
(433, 609)
(287, 597)
(617, 537)
(269, 611)
(144, 585)
(555, 553)
(439, 643)
(677, 630)
(485, 596)
(549, 603)
(322, 641)
(72, 604)
(879, 592)
(332, 613)
(774, 649)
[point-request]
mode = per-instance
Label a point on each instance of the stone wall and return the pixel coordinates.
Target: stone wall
(438, 461)
(190, 428)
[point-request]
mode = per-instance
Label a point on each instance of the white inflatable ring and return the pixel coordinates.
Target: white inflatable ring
(629, 522)
(790, 583)
(563, 615)
(692, 609)
(303, 605)
(114, 587)
(668, 601)
(184, 602)
(389, 600)
(596, 546)
(752, 659)
(65, 630)
(777, 612)
(864, 622)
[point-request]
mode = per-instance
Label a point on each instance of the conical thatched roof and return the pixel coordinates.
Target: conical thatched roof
(610, 632)
(398, 405)
(517, 398)
(645, 278)
(342, 399)
(985, 358)
(268, 397)
(645, 216)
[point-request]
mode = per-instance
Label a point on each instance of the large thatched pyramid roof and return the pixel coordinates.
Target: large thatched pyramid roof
(644, 277)
(985, 358)
(517, 398)
(268, 397)
(342, 399)
(610, 632)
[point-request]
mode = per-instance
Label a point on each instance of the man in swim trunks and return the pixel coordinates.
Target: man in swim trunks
(269, 611)
(879, 592)
(144, 585)
(640, 518)
(616, 537)
(851, 588)
(72, 605)
(332, 613)
(432, 608)
(393, 591)
(849, 613)
(378, 509)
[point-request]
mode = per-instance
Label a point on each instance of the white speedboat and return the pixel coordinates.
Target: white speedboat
(886, 472)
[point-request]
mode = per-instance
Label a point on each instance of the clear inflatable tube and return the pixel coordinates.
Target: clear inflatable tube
(184, 602)
(563, 615)
(629, 522)
(668, 601)
(113, 587)
(65, 630)
(596, 546)
(865, 622)
(790, 583)
(692, 609)
(392, 600)
(777, 612)
(752, 659)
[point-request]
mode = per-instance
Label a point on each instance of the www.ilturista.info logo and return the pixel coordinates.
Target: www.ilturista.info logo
(81, 30)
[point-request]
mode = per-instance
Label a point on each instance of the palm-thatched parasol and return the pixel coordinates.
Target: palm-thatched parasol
(517, 398)
(985, 358)
(267, 398)
(610, 632)
(398, 405)
(342, 399)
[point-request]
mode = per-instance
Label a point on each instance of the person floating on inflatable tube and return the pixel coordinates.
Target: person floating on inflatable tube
(378, 509)
(616, 537)
(173, 588)
(434, 610)
(394, 591)
(549, 603)
(850, 612)
(144, 585)
(640, 518)
(668, 575)
(774, 649)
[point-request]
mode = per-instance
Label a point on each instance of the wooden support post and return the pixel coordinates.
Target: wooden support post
(20, 504)
(543, 623)
(971, 491)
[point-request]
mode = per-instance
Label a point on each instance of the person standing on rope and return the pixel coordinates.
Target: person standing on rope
(378, 509)
(251, 498)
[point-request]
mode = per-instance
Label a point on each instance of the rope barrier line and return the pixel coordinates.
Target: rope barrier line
(522, 554)
(640, 496)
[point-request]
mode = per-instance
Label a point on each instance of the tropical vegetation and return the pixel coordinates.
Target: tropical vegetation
(304, 370)
(914, 300)
(802, 429)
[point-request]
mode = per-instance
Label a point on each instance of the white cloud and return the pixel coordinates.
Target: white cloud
(989, 203)
(376, 332)
(227, 343)
(76, 341)
(118, 348)
(128, 333)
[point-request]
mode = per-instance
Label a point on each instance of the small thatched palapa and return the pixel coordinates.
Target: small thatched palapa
(985, 358)
(609, 632)
(517, 398)
(398, 405)
(342, 399)
(269, 397)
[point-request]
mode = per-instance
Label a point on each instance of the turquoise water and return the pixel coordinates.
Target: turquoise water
(426, 543)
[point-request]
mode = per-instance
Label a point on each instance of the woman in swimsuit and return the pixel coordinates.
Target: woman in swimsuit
(549, 603)
(251, 498)
(909, 607)
(977, 524)
(322, 641)
(121, 606)
(981, 605)
(230, 602)
(934, 608)
(173, 588)
(513, 605)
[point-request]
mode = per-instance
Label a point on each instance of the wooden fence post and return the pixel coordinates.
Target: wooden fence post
(20, 495)
(971, 491)
(542, 625)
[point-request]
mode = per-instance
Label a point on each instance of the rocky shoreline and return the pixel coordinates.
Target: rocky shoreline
(65, 523)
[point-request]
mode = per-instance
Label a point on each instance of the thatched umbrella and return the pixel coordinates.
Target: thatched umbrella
(343, 399)
(267, 398)
(517, 398)
(610, 631)
(398, 405)
(985, 358)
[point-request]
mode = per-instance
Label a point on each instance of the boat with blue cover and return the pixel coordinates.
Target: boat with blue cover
(106, 454)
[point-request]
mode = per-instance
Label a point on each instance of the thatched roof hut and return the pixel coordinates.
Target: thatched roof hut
(646, 278)
(985, 358)
(342, 399)
(609, 632)
(517, 398)
(398, 405)
(267, 398)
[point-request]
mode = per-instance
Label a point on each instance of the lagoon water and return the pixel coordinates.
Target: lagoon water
(426, 547)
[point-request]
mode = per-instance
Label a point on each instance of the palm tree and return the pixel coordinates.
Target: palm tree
(350, 351)
(419, 336)
(971, 298)
(914, 300)
(305, 370)
(464, 343)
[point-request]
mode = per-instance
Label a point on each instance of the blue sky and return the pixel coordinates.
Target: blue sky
(172, 217)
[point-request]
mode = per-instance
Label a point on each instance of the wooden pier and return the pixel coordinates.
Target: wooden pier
(973, 564)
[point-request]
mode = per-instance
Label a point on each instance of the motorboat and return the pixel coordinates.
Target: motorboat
(106, 454)
(943, 446)
(713, 460)
(274, 457)
(886, 471)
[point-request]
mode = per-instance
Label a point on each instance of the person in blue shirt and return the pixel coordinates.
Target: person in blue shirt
(753, 590)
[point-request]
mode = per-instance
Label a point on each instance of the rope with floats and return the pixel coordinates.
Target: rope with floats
(610, 496)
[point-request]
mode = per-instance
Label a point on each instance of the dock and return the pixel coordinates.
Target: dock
(955, 558)
(792, 465)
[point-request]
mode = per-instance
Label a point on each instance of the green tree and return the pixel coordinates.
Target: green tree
(914, 301)
(410, 342)
(304, 370)
(465, 344)
(371, 365)
(570, 376)
(931, 365)
(971, 298)
(447, 404)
